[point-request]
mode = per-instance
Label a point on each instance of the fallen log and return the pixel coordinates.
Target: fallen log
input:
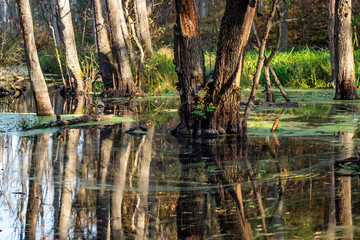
(82, 119)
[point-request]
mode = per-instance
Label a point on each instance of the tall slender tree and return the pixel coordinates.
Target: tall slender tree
(75, 75)
(344, 57)
(142, 23)
(103, 44)
(331, 25)
(124, 83)
(43, 103)
(125, 30)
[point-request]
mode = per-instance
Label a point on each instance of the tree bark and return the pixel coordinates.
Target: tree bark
(331, 25)
(284, 27)
(126, 33)
(189, 65)
(75, 76)
(103, 44)
(211, 107)
(124, 83)
(54, 22)
(143, 30)
(204, 8)
(149, 7)
(344, 58)
(224, 93)
(41, 95)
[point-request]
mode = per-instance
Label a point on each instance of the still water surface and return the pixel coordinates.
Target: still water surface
(97, 182)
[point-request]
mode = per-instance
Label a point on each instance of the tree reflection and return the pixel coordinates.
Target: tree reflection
(344, 187)
(193, 204)
(120, 165)
(107, 136)
(38, 160)
(71, 157)
(143, 160)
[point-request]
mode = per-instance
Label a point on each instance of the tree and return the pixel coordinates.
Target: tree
(75, 76)
(344, 59)
(331, 25)
(103, 44)
(211, 107)
(204, 8)
(189, 65)
(124, 83)
(143, 30)
(284, 27)
(41, 95)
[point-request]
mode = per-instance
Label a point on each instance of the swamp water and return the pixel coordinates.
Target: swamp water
(93, 181)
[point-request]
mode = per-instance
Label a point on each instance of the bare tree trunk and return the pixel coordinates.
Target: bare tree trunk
(204, 7)
(74, 73)
(143, 30)
(211, 107)
(344, 58)
(284, 27)
(124, 84)
(331, 33)
(189, 65)
(54, 22)
(224, 94)
(150, 7)
(41, 95)
(103, 44)
(126, 33)
(259, 66)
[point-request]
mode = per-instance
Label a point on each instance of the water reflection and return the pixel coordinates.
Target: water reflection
(96, 182)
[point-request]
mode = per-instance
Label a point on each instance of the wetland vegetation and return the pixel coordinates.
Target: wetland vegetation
(152, 119)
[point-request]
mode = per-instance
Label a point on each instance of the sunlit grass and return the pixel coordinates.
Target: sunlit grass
(301, 68)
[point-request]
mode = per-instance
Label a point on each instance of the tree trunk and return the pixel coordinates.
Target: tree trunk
(143, 30)
(103, 44)
(259, 67)
(224, 94)
(124, 84)
(211, 107)
(75, 75)
(344, 59)
(41, 95)
(204, 8)
(284, 27)
(54, 22)
(126, 33)
(149, 7)
(331, 25)
(189, 65)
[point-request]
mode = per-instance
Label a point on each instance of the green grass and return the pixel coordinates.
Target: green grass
(301, 68)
